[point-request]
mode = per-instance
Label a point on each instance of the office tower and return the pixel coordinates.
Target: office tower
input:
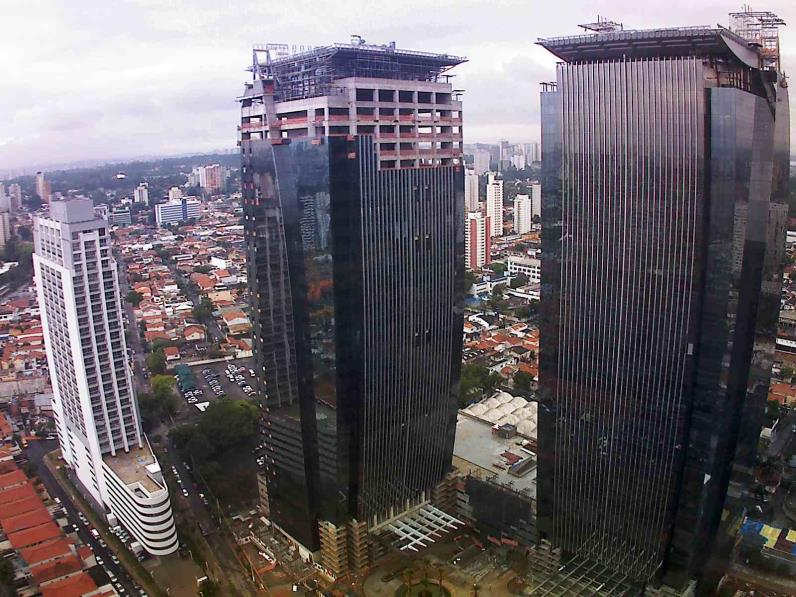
(175, 194)
(43, 187)
(481, 161)
(477, 241)
(523, 214)
(94, 405)
(177, 211)
(470, 190)
(141, 194)
(657, 349)
(494, 204)
(369, 136)
(2, 189)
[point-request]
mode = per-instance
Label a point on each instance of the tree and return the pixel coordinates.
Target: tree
(134, 298)
(156, 362)
(25, 233)
(469, 280)
(523, 381)
(203, 269)
(518, 281)
(476, 382)
(786, 372)
(204, 310)
(498, 267)
(6, 573)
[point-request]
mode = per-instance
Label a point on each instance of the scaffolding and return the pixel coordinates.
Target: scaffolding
(761, 29)
(602, 25)
(305, 72)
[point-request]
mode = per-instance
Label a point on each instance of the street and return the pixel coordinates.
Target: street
(36, 452)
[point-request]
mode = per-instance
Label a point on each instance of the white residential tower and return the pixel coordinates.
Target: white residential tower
(94, 404)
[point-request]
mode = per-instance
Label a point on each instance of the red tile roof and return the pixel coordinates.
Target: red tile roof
(55, 568)
(17, 493)
(21, 506)
(34, 535)
(12, 479)
(46, 551)
(72, 586)
(12, 524)
(5, 426)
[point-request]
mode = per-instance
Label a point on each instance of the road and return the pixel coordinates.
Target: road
(216, 537)
(36, 452)
(215, 330)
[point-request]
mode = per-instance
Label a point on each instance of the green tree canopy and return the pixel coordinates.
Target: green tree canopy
(498, 267)
(134, 298)
(523, 381)
(518, 281)
(477, 381)
(156, 362)
(203, 269)
(204, 310)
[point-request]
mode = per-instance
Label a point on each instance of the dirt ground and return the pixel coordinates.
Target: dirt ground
(175, 575)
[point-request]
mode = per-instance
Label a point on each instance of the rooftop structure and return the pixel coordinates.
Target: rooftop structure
(311, 72)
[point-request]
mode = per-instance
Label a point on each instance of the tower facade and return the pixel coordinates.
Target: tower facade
(494, 204)
(353, 189)
(663, 237)
(94, 404)
(523, 214)
(470, 190)
(477, 241)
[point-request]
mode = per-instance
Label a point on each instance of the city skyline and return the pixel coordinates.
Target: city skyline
(152, 65)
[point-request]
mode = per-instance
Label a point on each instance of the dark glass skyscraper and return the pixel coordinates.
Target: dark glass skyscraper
(665, 158)
(353, 201)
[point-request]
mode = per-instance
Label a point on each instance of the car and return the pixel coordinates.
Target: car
(75, 527)
(251, 372)
(185, 492)
(114, 559)
(100, 561)
(102, 543)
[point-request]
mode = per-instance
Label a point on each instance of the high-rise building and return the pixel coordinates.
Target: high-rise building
(658, 326)
(536, 200)
(94, 405)
(481, 161)
(141, 194)
(177, 211)
(353, 189)
(15, 193)
(43, 187)
(175, 194)
(518, 161)
(5, 227)
(211, 178)
(477, 241)
(494, 204)
(470, 190)
(523, 214)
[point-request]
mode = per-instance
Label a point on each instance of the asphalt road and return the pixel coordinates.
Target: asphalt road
(36, 451)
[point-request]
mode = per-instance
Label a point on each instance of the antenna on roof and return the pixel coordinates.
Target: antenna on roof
(602, 25)
(760, 29)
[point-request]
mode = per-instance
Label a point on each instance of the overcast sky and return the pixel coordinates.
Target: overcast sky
(118, 79)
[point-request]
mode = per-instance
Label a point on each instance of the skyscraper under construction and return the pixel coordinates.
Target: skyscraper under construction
(665, 158)
(354, 215)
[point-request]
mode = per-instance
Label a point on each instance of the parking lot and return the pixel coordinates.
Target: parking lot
(230, 379)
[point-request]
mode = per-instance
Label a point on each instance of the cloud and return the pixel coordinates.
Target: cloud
(92, 79)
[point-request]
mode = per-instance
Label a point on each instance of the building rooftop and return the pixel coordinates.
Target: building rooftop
(484, 454)
(134, 467)
(677, 41)
(310, 72)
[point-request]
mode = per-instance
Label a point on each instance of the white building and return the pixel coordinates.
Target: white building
(470, 190)
(481, 160)
(477, 241)
(5, 227)
(176, 211)
(42, 187)
(529, 266)
(536, 200)
(175, 193)
(94, 404)
(523, 216)
(141, 194)
(518, 161)
(494, 204)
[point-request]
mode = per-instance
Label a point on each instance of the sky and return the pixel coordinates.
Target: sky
(105, 80)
